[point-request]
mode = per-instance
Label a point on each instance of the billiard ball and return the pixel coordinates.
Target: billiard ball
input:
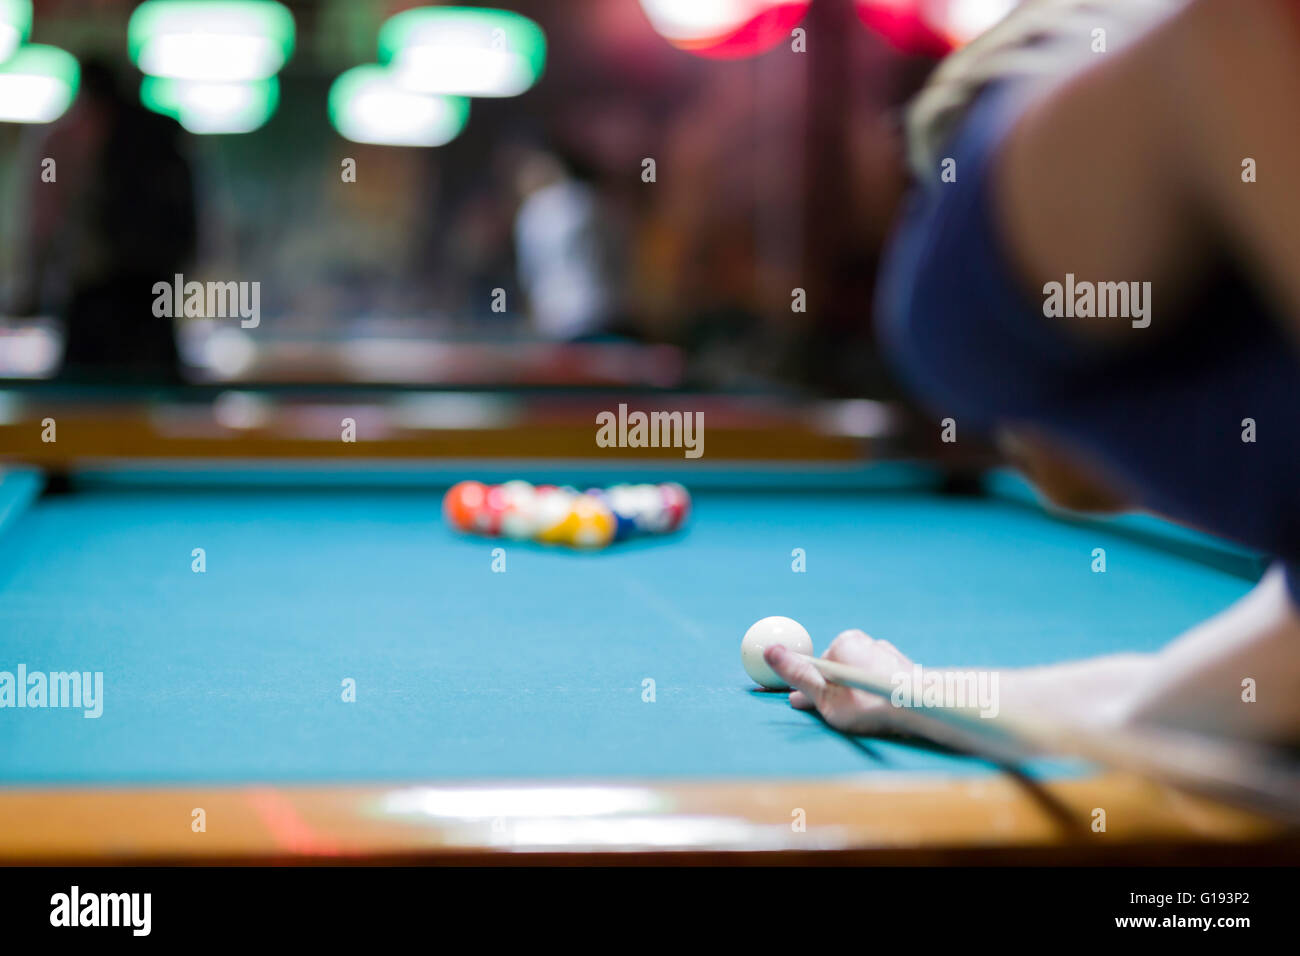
(650, 509)
(585, 521)
(762, 635)
(462, 503)
(519, 511)
(678, 501)
(622, 501)
(591, 523)
(488, 518)
(553, 505)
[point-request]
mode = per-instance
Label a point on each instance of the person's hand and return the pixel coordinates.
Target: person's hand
(844, 708)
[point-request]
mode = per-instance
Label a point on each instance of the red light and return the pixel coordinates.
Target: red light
(725, 29)
(901, 25)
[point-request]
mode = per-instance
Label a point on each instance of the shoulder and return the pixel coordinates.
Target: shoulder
(1039, 39)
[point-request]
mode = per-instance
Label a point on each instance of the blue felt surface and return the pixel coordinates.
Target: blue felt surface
(234, 675)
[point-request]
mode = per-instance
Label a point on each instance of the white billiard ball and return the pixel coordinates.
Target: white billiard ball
(762, 635)
(519, 511)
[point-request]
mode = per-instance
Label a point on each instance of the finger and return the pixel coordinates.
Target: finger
(801, 701)
(795, 671)
(873, 719)
(885, 645)
(840, 648)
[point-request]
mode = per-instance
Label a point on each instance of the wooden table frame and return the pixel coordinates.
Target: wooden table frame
(882, 819)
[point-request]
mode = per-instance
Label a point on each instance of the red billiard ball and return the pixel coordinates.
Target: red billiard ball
(678, 502)
(488, 519)
(462, 503)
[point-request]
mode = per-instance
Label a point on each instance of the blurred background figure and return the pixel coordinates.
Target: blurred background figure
(566, 250)
(118, 218)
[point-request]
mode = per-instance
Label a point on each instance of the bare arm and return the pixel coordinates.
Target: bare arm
(1133, 168)
(1237, 674)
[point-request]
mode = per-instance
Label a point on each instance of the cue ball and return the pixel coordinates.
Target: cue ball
(772, 630)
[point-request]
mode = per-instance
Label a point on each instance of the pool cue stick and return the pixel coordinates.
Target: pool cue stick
(1238, 772)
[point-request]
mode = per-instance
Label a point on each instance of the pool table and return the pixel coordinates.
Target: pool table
(343, 678)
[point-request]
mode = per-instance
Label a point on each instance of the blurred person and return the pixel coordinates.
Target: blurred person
(119, 218)
(1112, 168)
(566, 250)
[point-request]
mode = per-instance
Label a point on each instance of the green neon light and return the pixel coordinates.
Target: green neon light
(17, 14)
(460, 31)
(211, 108)
(15, 25)
(160, 29)
(366, 105)
(37, 84)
